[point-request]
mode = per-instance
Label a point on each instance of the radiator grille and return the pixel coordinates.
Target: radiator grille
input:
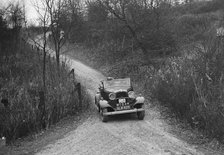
(121, 94)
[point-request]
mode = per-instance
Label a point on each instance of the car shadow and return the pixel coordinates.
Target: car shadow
(123, 117)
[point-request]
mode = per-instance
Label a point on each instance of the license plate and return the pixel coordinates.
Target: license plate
(123, 108)
(127, 107)
(122, 104)
(122, 100)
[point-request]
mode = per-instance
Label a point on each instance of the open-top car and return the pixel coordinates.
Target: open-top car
(116, 96)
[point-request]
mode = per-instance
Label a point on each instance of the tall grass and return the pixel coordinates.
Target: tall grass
(21, 84)
(193, 87)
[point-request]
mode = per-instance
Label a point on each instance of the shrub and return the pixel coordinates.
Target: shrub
(174, 86)
(191, 28)
(210, 6)
(193, 87)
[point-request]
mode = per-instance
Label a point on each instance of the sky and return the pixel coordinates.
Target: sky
(31, 13)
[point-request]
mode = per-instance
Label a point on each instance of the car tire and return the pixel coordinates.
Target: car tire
(103, 117)
(141, 115)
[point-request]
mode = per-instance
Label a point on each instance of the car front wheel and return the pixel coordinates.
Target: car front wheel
(104, 118)
(141, 115)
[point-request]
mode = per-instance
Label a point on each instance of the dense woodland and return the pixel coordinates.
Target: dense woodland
(171, 51)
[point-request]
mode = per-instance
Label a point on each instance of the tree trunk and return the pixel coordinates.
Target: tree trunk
(44, 70)
(58, 60)
(44, 61)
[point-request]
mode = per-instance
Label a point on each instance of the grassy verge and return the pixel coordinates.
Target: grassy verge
(193, 88)
(21, 81)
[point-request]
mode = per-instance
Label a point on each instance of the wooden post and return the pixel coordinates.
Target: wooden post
(2, 142)
(78, 87)
(49, 58)
(41, 107)
(72, 72)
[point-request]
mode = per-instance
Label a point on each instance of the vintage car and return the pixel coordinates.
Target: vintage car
(116, 96)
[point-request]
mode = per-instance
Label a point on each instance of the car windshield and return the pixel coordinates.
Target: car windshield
(118, 84)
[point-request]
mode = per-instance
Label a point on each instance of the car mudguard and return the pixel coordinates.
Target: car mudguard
(97, 97)
(104, 104)
(139, 101)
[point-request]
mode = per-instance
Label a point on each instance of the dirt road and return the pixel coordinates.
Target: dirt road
(121, 135)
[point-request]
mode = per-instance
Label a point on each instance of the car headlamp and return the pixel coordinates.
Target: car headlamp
(112, 96)
(131, 94)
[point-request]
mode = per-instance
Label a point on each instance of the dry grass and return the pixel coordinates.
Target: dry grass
(21, 84)
(193, 88)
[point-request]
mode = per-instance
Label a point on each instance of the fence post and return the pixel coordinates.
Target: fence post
(49, 58)
(41, 107)
(72, 72)
(78, 87)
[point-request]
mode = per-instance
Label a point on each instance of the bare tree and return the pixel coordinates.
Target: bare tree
(15, 15)
(71, 18)
(55, 9)
(44, 19)
(16, 19)
(118, 8)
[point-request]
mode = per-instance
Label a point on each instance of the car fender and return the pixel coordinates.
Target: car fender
(104, 104)
(97, 97)
(140, 100)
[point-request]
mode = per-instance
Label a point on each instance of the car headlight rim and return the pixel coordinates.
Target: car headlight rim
(131, 94)
(112, 96)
